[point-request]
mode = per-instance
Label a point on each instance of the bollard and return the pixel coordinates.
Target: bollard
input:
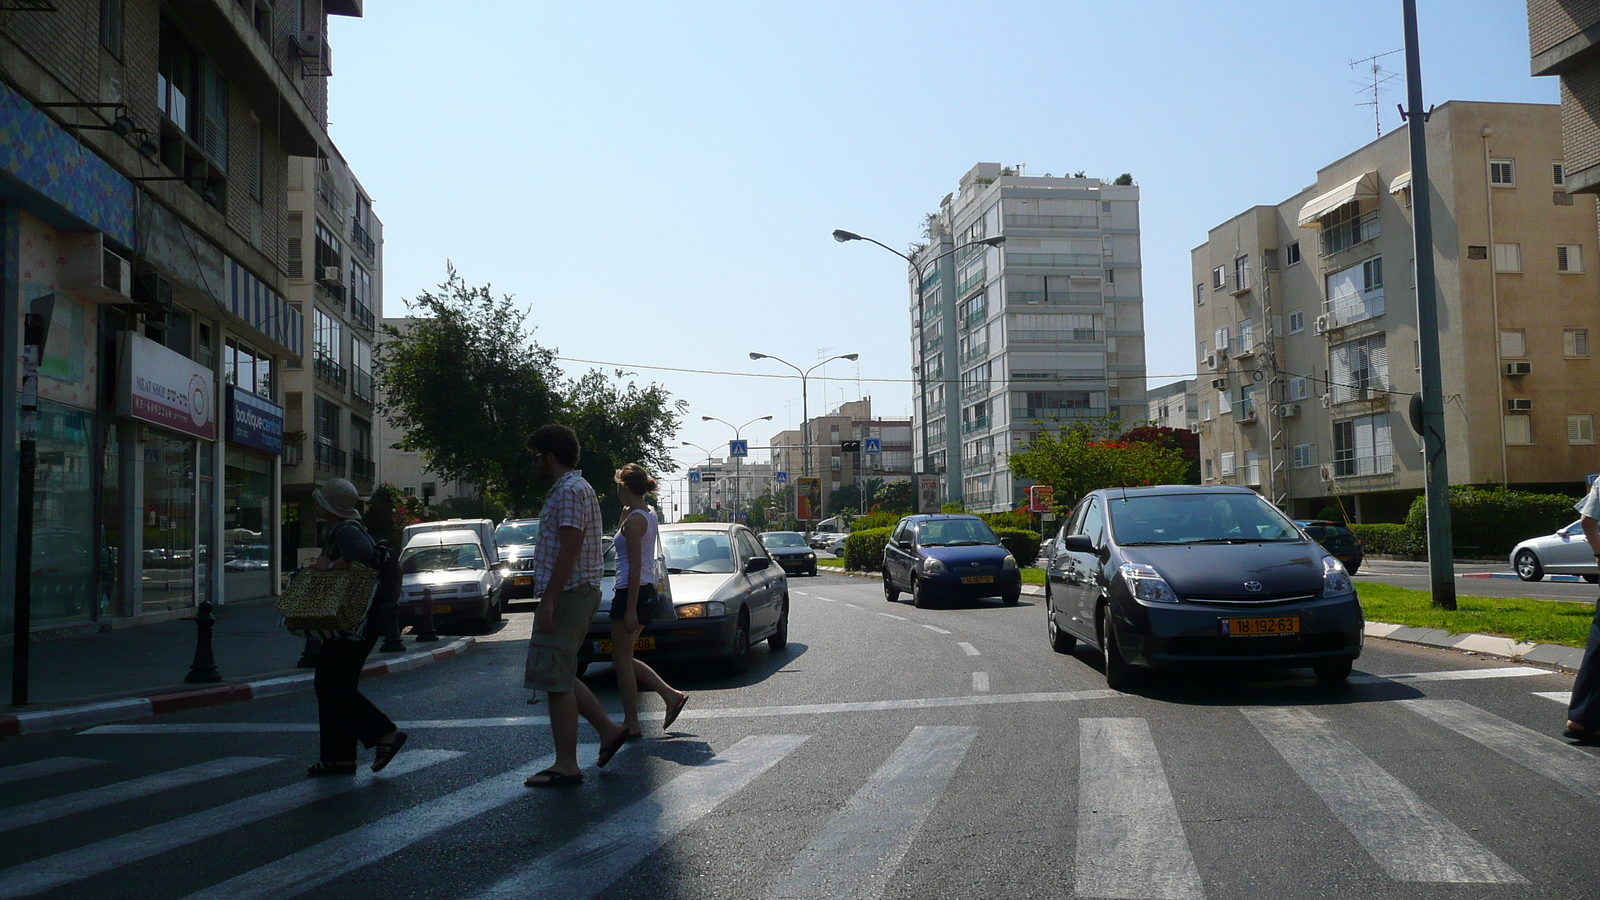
(425, 632)
(204, 668)
(391, 629)
(308, 656)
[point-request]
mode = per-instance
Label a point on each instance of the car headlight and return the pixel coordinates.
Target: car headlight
(470, 590)
(931, 566)
(1145, 583)
(1335, 580)
(1009, 564)
(707, 610)
(811, 556)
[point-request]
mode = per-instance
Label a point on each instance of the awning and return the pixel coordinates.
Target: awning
(1400, 184)
(1360, 188)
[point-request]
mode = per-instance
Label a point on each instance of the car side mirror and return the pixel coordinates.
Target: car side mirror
(903, 544)
(1076, 543)
(756, 564)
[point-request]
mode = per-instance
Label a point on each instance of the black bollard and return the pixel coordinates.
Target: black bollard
(391, 629)
(204, 668)
(425, 632)
(308, 656)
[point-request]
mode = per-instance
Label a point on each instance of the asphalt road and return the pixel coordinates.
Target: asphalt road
(1405, 573)
(889, 752)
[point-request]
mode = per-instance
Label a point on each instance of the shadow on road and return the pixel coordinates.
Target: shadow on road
(1242, 685)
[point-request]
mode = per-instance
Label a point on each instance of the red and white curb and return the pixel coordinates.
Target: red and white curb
(91, 714)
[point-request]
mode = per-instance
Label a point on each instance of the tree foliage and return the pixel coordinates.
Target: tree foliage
(1087, 455)
(619, 422)
(895, 497)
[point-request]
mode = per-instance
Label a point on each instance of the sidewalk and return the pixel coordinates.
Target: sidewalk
(134, 672)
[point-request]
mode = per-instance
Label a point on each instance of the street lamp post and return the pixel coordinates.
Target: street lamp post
(840, 235)
(702, 475)
(738, 461)
(805, 413)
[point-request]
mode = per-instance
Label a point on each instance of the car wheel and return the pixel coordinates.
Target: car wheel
(813, 571)
(1333, 671)
(780, 638)
(582, 668)
(1592, 579)
(739, 662)
(918, 598)
(1528, 567)
(1060, 641)
(1011, 598)
(1352, 568)
(1120, 676)
(890, 592)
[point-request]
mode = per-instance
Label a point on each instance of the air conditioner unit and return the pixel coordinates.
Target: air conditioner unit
(1211, 361)
(1219, 384)
(95, 273)
(1327, 401)
(1323, 323)
(1519, 368)
(1518, 404)
(310, 43)
(1288, 410)
(332, 275)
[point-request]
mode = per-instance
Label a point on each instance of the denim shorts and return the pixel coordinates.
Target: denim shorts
(646, 608)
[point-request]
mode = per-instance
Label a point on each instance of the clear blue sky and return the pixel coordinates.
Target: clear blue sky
(657, 182)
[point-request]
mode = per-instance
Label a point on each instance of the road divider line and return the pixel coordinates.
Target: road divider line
(968, 649)
(1562, 697)
(893, 616)
(1130, 839)
(40, 768)
(1453, 675)
(1409, 839)
(980, 681)
(937, 630)
(853, 606)
(1556, 760)
(60, 807)
(859, 850)
(609, 849)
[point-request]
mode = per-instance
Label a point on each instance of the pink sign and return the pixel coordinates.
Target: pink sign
(166, 388)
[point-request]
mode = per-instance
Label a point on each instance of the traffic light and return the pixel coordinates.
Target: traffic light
(849, 446)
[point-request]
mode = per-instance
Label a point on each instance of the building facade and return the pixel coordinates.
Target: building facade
(1175, 405)
(1048, 326)
(851, 421)
(1564, 41)
(1306, 322)
(144, 150)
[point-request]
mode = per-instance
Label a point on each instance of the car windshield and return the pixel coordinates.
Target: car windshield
(1199, 518)
(440, 559)
(698, 552)
(774, 539)
(955, 533)
(514, 533)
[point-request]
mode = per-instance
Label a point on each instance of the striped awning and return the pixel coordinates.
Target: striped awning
(265, 310)
(1362, 187)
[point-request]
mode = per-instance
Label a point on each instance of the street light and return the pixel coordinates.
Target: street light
(805, 414)
(738, 461)
(842, 236)
(708, 460)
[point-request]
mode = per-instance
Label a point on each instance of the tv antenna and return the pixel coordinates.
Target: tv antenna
(1375, 84)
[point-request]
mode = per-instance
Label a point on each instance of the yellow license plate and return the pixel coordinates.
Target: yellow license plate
(978, 579)
(1259, 626)
(643, 643)
(441, 608)
(521, 580)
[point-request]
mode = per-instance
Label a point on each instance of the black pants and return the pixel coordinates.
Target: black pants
(1585, 708)
(343, 714)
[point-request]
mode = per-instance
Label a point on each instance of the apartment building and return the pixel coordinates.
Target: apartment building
(1048, 325)
(852, 420)
(1306, 322)
(1564, 41)
(1175, 405)
(144, 150)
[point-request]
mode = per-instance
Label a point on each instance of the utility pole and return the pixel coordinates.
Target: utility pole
(1441, 564)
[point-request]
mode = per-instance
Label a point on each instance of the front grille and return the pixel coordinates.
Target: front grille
(1252, 600)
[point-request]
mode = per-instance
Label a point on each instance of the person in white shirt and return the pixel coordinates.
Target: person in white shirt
(1583, 713)
(637, 602)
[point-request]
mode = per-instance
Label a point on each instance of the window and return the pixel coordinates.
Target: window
(1372, 274)
(326, 337)
(1362, 446)
(1355, 293)
(1219, 278)
(1347, 226)
(1297, 321)
(1580, 429)
(246, 368)
(327, 421)
(1200, 295)
(1203, 354)
(1241, 273)
(361, 369)
(1224, 403)
(1359, 370)
(1303, 456)
(328, 254)
(1508, 257)
(1226, 464)
(1575, 342)
(1222, 339)
(1569, 258)
(1513, 342)
(1247, 335)
(111, 26)
(1299, 388)
(1519, 429)
(1558, 174)
(1209, 474)
(1503, 172)
(1291, 253)
(293, 244)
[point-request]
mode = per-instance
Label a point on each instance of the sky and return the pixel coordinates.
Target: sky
(657, 183)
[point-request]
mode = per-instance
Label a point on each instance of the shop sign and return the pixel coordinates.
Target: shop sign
(253, 421)
(166, 388)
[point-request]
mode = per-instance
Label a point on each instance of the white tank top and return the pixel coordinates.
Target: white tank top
(647, 544)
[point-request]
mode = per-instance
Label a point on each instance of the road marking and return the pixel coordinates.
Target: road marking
(893, 616)
(853, 606)
(936, 629)
(801, 594)
(828, 599)
(859, 850)
(113, 853)
(968, 648)
(1130, 840)
(980, 681)
(611, 848)
(321, 863)
(82, 801)
(1556, 760)
(41, 767)
(1562, 697)
(1408, 838)
(1453, 675)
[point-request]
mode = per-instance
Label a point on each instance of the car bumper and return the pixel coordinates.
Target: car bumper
(518, 586)
(448, 610)
(676, 640)
(1176, 634)
(797, 566)
(953, 586)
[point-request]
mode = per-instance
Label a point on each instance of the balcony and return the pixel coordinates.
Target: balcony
(362, 238)
(975, 389)
(1057, 336)
(931, 344)
(1056, 298)
(974, 279)
(362, 468)
(975, 318)
(1244, 412)
(361, 385)
(1044, 413)
(1052, 222)
(1347, 309)
(973, 354)
(1347, 465)
(330, 459)
(1341, 236)
(979, 424)
(331, 372)
(361, 316)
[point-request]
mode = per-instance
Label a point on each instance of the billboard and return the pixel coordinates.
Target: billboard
(809, 500)
(166, 388)
(928, 494)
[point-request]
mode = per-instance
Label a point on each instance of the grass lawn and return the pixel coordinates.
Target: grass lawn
(834, 563)
(1541, 621)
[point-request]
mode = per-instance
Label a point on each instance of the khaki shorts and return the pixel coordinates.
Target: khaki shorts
(553, 658)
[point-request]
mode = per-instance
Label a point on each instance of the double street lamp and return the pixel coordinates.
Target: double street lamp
(805, 411)
(737, 460)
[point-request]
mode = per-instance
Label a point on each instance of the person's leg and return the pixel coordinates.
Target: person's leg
(1584, 710)
(648, 679)
(627, 687)
(368, 722)
(338, 670)
(564, 731)
(588, 706)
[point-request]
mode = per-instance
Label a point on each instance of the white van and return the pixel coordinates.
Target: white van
(482, 527)
(826, 529)
(451, 565)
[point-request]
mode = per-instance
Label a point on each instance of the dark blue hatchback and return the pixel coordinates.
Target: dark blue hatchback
(938, 557)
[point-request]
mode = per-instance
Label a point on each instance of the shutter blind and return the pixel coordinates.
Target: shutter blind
(1339, 373)
(214, 114)
(293, 246)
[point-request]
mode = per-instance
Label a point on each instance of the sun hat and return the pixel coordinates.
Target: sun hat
(338, 497)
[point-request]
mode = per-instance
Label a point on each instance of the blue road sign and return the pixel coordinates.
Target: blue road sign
(738, 448)
(783, 477)
(694, 477)
(872, 445)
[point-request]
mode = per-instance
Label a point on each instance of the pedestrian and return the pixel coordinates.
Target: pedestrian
(344, 716)
(567, 564)
(1583, 713)
(637, 602)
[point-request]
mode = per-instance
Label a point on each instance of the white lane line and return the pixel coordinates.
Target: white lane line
(859, 850)
(980, 681)
(607, 850)
(1562, 697)
(1555, 759)
(82, 801)
(1453, 675)
(321, 863)
(1409, 839)
(968, 648)
(893, 616)
(42, 767)
(1130, 839)
(936, 629)
(853, 606)
(113, 853)
(826, 599)
(801, 594)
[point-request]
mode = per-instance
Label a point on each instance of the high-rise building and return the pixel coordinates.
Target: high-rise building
(1564, 40)
(1048, 326)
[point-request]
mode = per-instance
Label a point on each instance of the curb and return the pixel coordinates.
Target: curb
(90, 714)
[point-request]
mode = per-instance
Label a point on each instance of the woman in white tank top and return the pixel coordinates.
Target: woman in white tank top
(635, 604)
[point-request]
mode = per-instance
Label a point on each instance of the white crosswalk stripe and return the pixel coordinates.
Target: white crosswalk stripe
(71, 804)
(1409, 839)
(1556, 760)
(1131, 843)
(1562, 697)
(40, 768)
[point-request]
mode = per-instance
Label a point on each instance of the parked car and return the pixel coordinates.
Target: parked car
(938, 557)
(788, 549)
(833, 543)
(1337, 539)
(453, 566)
(726, 595)
(1566, 552)
(1180, 574)
(517, 539)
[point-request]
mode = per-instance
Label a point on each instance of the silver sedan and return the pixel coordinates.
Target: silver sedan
(1564, 553)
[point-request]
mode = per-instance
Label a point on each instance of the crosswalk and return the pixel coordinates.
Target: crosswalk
(1124, 811)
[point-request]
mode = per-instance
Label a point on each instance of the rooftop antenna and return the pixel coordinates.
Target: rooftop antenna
(1375, 84)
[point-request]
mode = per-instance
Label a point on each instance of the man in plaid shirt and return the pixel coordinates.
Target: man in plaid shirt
(567, 565)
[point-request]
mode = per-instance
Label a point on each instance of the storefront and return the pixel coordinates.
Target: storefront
(250, 471)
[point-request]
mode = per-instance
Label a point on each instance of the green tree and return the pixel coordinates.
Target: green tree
(895, 497)
(1085, 456)
(620, 422)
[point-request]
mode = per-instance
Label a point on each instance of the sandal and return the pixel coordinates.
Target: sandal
(672, 712)
(1582, 734)
(319, 769)
(552, 778)
(610, 748)
(386, 751)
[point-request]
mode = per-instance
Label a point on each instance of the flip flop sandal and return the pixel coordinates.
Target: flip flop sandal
(320, 769)
(387, 751)
(1582, 735)
(672, 712)
(610, 748)
(552, 778)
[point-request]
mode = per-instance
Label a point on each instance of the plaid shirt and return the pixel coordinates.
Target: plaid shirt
(571, 503)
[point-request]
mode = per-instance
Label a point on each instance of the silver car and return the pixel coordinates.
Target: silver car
(1564, 553)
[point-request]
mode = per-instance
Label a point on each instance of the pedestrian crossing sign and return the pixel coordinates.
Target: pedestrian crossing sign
(783, 477)
(872, 445)
(738, 448)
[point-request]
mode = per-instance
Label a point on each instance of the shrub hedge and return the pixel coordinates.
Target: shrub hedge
(863, 550)
(1490, 521)
(1023, 544)
(1390, 538)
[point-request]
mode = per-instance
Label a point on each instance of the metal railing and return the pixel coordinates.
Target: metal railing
(330, 371)
(1055, 260)
(1346, 465)
(974, 318)
(329, 457)
(1057, 336)
(363, 468)
(1031, 413)
(1021, 221)
(362, 238)
(361, 316)
(1344, 235)
(1054, 298)
(979, 424)
(972, 354)
(361, 385)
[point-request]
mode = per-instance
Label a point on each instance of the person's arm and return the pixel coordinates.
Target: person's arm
(634, 530)
(1591, 532)
(571, 540)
